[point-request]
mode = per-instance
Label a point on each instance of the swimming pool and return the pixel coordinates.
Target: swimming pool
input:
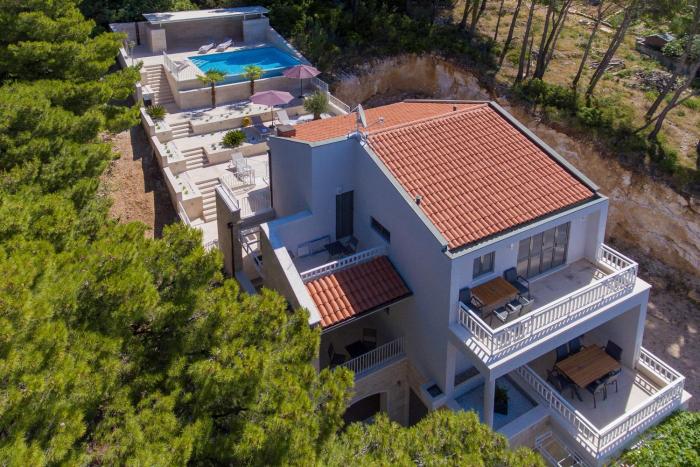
(518, 402)
(272, 60)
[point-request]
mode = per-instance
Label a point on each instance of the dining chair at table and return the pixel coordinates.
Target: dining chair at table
(614, 350)
(335, 358)
(596, 387)
(612, 378)
(561, 383)
(575, 345)
(562, 352)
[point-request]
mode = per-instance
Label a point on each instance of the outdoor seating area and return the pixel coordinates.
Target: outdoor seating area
(366, 343)
(501, 299)
(319, 251)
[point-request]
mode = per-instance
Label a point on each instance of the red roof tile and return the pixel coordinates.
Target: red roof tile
(477, 174)
(357, 289)
(393, 114)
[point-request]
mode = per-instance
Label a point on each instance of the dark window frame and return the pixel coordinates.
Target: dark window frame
(479, 268)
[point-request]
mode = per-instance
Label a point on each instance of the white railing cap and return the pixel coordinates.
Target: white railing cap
(343, 263)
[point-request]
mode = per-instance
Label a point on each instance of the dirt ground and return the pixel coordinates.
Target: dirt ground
(135, 184)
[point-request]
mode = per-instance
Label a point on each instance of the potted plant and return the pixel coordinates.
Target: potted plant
(245, 121)
(252, 72)
(233, 139)
(211, 77)
(500, 401)
(317, 103)
(156, 112)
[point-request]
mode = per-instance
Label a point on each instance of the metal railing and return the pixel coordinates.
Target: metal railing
(555, 315)
(338, 103)
(342, 263)
(364, 363)
(181, 71)
(240, 179)
(319, 84)
(600, 441)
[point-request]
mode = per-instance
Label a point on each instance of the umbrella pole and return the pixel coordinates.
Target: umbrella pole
(301, 88)
(272, 118)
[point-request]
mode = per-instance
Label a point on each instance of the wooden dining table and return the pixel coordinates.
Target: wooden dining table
(587, 365)
(494, 294)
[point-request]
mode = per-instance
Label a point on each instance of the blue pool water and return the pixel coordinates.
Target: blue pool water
(272, 60)
(518, 402)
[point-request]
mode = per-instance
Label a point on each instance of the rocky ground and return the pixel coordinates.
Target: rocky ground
(135, 184)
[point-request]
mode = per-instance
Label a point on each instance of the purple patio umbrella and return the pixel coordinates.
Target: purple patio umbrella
(301, 72)
(271, 98)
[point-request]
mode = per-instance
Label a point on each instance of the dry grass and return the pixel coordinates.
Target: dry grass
(682, 127)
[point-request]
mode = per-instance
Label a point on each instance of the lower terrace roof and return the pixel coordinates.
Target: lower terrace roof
(199, 15)
(357, 290)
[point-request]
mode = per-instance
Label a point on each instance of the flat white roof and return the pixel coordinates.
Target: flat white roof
(199, 15)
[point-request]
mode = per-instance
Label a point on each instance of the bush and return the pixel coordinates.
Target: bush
(156, 112)
(551, 95)
(316, 104)
(233, 139)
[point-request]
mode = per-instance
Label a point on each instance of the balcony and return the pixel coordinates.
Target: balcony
(368, 362)
(646, 394)
(571, 294)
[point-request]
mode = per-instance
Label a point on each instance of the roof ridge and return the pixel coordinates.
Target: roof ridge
(420, 121)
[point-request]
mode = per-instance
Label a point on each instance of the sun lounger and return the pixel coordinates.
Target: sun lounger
(224, 45)
(206, 48)
(260, 126)
(283, 117)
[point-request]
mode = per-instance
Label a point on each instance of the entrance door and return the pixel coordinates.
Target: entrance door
(343, 214)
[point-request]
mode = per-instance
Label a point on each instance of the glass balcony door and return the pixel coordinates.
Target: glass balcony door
(543, 251)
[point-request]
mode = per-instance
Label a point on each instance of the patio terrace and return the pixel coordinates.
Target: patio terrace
(561, 298)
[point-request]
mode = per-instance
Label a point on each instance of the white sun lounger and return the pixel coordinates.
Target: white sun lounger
(224, 45)
(206, 48)
(283, 117)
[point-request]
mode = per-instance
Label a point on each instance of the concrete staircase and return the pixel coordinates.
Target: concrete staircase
(207, 188)
(180, 129)
(194, 158)
(154, 77)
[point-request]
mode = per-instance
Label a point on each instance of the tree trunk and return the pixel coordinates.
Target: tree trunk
(617, 39)
(523, 49)
(498, 20)
(662, 95)
(589, 44)
(674, 101)
(510, 33)
(252, 87)
(213, 95)
(558, 26)
(529, 55)
(465, 14)
(541, 53)
(476, 17)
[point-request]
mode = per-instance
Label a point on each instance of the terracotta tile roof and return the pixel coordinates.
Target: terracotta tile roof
(477, 174)
(352, 291)
(393, 114)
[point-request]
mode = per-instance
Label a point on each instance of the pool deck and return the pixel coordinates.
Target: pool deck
(148, 58)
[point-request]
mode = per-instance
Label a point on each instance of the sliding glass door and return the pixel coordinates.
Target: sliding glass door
(543, 251)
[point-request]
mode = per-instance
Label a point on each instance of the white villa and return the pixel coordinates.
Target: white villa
(450, 257)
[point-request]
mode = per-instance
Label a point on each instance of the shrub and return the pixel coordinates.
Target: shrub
(592, 117)
(692, 103)
(156, 112)
(316, 104)
(233, 139)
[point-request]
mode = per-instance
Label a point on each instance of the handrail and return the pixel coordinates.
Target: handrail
(342, 263)
(179, 72)
(183, 214)
(376, 357)
(256, 204)
(625, 427)
(556, 314)
(319, 84)
(338, 103)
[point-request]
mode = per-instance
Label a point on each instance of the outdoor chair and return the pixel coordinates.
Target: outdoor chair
(466, 297)
(283, 117)
(596, 387)
(612, 378)
(575, 345)
(335, 359)
(236, 156)
(511, 309)
(224, 45)
(519, 282)
(527, 304)
(350, 245)
(260, 126)
(206, 48)
(562, 352)
(613, 350)
(369, 338)
(561, 383)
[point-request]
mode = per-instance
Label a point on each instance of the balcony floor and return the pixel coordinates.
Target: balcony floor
(556, 285)
(633, 389)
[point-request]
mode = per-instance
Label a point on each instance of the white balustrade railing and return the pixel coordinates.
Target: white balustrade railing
(601, 441)
(556, 314)
(183, 214)
(181, 71)
(342, 263)
(376, 357)
(319, 84)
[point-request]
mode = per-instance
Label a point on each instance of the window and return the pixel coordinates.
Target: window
(543, 251)
(380, 229)
(483, 264)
